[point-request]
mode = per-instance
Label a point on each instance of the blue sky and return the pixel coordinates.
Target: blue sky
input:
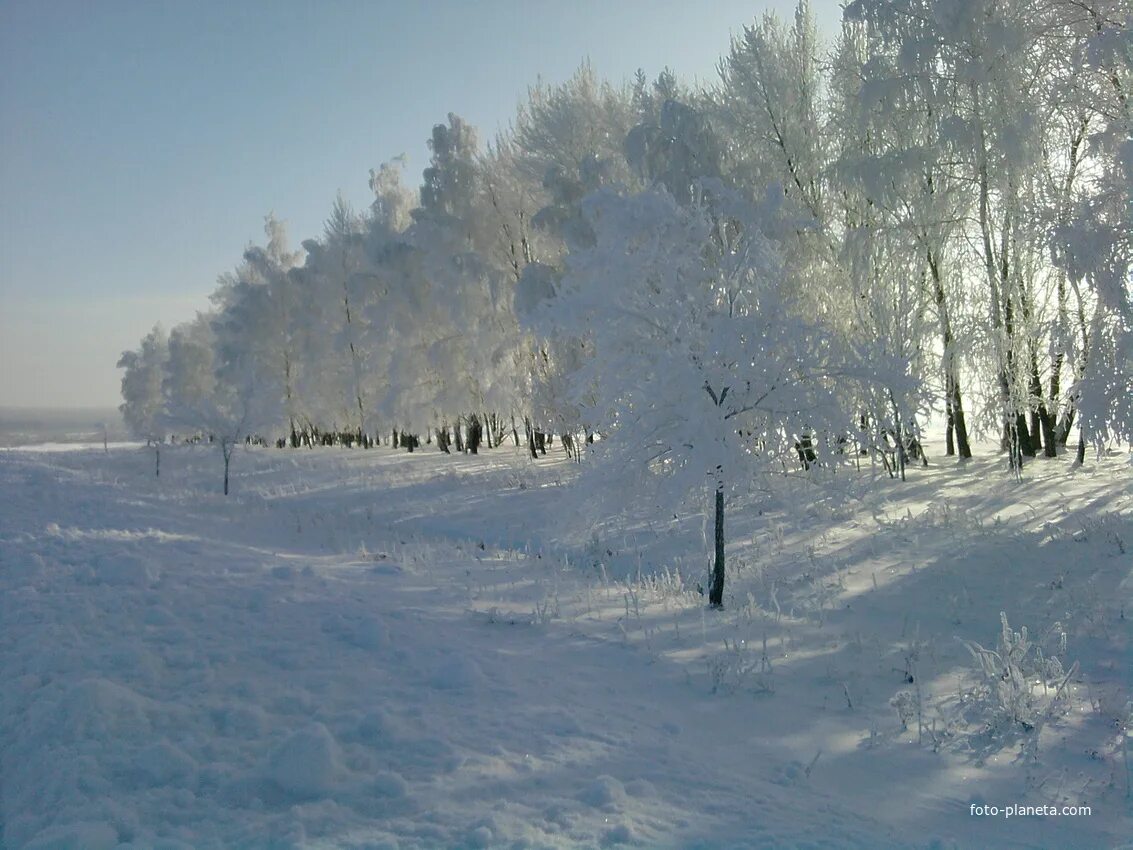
(142, 143)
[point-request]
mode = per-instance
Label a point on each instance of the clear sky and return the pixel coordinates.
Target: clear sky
(143, 142)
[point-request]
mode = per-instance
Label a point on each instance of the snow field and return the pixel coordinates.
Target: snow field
(370, 649)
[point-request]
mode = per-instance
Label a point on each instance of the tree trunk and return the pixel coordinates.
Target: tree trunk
(953, 397)
(530, 437)
(1022, 434)
(227, 461)
(1046, 422)
(157, 460)
(963, 446)
(997, 276)
(716, 593)
(1066, 423)
(1025, 445)
(475, 434)
(950, 430)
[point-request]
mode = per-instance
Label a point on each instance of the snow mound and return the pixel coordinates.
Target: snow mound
(28, 570)
(76, 836)
(457, 673)
(791, 773)
(165, 764)
(390, 785)
(306, 764)
(620, 834)
(560, 722)
(640, 788)
(362, 632)
(98, 709)
(604, 791)
(377, 728)
(480, 837)
(124, 570)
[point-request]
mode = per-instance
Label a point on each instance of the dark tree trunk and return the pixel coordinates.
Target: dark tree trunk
(1066, 424)
(514, 432)
(227, 450)
(1012, 442)
(954, 399)
(1025, 444)
(1046, 420)
(1019, 437)
(804, 448)
(902, 452)
(157, 460)
(530, 437)
(963, 447)
(949, 433)
(716, 593)
(475, 434)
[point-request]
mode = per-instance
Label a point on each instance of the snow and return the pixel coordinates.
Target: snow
(377, 649)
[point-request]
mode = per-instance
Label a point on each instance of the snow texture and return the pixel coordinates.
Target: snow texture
(370, 649)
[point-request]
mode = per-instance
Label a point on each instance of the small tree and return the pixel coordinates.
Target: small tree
(216, 397)
(700, 369)
(143, 406)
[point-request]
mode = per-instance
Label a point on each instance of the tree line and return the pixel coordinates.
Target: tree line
(930, 212)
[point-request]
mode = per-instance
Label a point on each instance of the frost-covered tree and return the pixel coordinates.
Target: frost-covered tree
(143, 406)
(974, 94)
(449, 297)
(701, 369)
(336, 274)
(770, 103)
(581, 123)
(1093, 241)
(900, 210)
(675, 150)
(209, 394)
(951, 194)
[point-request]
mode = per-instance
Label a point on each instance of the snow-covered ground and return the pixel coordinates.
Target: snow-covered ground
(377, 649)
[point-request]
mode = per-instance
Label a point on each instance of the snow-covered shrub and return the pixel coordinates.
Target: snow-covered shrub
(546, 609)
(1127, 748)
(669, 588)
(738, 667)
(1019, 686)
(905, 704)
(1105, 530)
